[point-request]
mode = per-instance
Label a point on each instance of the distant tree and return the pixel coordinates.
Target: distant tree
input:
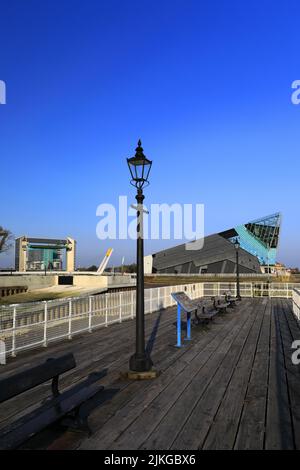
(130, 268)
(6, 239)
(92, 268)
(126, 268)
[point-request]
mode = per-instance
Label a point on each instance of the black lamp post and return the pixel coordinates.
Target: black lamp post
(237, 247)
(140, 167)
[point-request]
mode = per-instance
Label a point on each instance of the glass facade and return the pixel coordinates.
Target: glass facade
(260, 238)
(44, 258)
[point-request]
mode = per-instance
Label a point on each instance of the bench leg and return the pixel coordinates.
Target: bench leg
(77, 421)
(188, 327)
(82, 422)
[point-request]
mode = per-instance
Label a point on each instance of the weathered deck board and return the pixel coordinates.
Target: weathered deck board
(289, 331)
(193, 433)
(90, 357)
(251, 428)
(279, 432)
(232, 386)
(167, 431)
(174, 396)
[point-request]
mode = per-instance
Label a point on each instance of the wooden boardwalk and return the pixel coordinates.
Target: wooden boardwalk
(232, 387)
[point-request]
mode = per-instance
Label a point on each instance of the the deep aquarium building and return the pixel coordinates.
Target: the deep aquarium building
(258, 247)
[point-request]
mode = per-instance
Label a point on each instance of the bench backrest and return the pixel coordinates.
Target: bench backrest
(228, 293)
(30, 378)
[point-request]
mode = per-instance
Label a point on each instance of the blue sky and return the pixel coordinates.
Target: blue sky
(205, 85)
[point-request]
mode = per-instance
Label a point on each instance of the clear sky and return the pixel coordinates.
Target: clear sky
(205, 85)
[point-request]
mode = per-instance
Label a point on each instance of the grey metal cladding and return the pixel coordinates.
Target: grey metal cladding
(215, 250)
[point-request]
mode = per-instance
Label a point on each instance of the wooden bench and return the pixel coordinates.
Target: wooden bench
(220, 303)
(205, 312)
(231, 300)
(59, 405)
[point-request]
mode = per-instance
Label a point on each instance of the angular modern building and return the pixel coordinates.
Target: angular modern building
(258, 247)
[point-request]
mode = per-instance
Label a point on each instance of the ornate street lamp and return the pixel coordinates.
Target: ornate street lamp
(237, 247)
(140, 167)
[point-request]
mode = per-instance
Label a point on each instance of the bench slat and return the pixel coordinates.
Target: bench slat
(50, 412)
(19, 383)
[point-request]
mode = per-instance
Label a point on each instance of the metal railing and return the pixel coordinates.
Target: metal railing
(26, 326)
(31, 325)
(215, 275)
(296, 303)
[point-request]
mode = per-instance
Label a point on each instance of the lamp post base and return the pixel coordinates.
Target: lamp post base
(134, 375)
(140, 363)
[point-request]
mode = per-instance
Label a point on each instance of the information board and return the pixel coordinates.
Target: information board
(184, 301)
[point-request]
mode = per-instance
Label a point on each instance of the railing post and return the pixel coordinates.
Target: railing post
(106, 308)
(70, 320)
(45, 323)
(150, 301)
(90, 314)
(13, 347)
(132, 306)
(120, 308)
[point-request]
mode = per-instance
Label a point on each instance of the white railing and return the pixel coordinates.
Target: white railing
(296, 303)
(26, 326)
(31, 325)
(265, 276)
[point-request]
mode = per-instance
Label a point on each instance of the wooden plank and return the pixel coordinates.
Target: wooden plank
(292, 370)
(170, 426)
(224, 427)
(293, 323)
(115, 361)
(160, 407)
(170, 369)
(164, 389)
(150, 414)
(102, 353)
(251, 431)
(194, 431)
(279, 433)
